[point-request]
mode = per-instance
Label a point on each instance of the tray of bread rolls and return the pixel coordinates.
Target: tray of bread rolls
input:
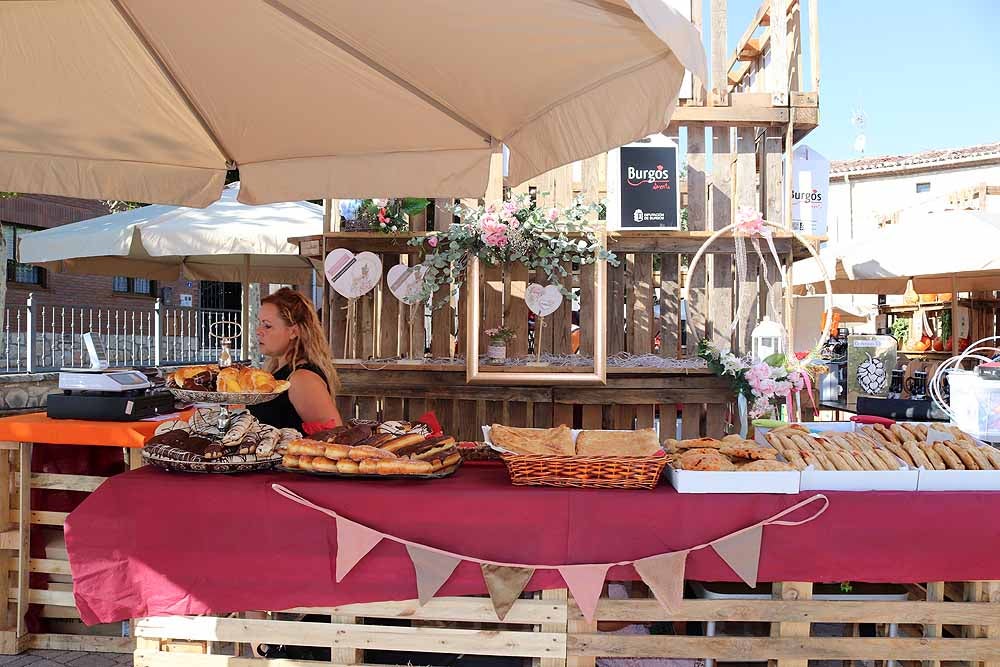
(232, 385)
(365, 449)
(199, 445)
(564, 457)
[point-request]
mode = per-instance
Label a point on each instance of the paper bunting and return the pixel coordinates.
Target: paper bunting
(505, 585)
(742, 553)
(665, 577)
(432, 568)
(663, 573)
(585, 582)
(354, 541)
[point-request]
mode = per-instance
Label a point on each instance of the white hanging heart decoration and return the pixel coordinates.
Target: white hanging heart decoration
(543, 300)
(352, 275)
(405, 282)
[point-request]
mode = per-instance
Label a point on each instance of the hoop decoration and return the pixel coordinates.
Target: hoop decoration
(755, 229)
(238, 327)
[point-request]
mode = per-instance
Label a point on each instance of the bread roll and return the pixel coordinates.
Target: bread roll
(347, 466)
(307, 447)
(367, 452)
(290, 461)
(335, 451)
(323, 464)
(368, 466)
(306, 462)
(229, 380)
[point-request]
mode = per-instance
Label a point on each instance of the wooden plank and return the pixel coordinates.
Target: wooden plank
(491, 302)
(721, 284)
(639, 299)
(415, 408)
(935, 593)
(562, 414)
(7, 564)
(669, 324)
(587, 280)
(24, 532)
(43, 565)
(92, 644)
(697, 306)
(691, 420)
(745, 189)
(777, 70)
(786, 650)
(585, 395)
(392, 409)
(515, 310)
(147, 658)
(591, 416)
(457, 609)
(720, 69)
(561, 321)
(616, 309)
(41, 518)
(59, 482)
(367, 408)
(668, 421)
(388, 312)
(559, 598)
(715, 420)
(644, 416)
(372, 637)
(991, 595)
(697, 85)
(442, 322)
(792, 591)
(467, 424)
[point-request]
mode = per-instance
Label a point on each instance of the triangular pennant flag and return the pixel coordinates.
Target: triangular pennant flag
(432, 568)
(354, 541)
(505, 585)
(742, 553)
(585, 582)
(665, 577)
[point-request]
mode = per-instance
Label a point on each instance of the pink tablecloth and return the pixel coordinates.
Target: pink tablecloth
(152, 543)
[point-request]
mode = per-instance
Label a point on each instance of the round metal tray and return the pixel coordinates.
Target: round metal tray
(227, 467)
(444, 472)
(220, 397)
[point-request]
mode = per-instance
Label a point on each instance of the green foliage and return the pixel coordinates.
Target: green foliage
(901, 329)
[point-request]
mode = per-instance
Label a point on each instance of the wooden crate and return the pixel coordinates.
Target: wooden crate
(551, 630)
(17, 524)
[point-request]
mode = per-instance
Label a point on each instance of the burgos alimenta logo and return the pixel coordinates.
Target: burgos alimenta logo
(811, 198)
(659, 178)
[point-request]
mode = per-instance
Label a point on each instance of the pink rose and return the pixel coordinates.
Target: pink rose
(749, 221)
(493, 232)
(507, 211)
(432, 241)
(767, 386)
(552, 215)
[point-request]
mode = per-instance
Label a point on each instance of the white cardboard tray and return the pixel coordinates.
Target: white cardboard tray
(703, 481)
(904, 479)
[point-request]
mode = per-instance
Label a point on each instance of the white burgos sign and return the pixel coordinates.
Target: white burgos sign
(810, 191)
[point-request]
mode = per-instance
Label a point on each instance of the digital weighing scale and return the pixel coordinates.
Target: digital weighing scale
(101, 393)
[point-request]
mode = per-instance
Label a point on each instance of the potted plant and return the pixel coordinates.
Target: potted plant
(496, 351)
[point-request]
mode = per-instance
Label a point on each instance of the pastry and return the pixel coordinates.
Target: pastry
(377, 439)
(933, 456)
(172, 425)
(434, 448)
(367, 452)
(290, 461)
(330, 434)
(398, 443)
(268, 441)
(306, 462)
(557, 440)
(368, 466)
(323, 464)
(747, 449)
(950, 458)
(228, 380)
(239, 425)
(765, 466)
(698, 442)
(401, 428)
(307, 447)
(643, 442)
(442, 463)
(286, 435)
(259, 381)
(337, 451)
(347, 466)
(703, 458)
(993, 455)
(353, 435)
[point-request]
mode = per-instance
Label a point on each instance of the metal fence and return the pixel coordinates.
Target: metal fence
(39, 338)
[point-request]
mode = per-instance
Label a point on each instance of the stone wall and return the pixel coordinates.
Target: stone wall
(26, 391)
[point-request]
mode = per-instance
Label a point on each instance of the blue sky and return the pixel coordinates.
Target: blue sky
(924, 73)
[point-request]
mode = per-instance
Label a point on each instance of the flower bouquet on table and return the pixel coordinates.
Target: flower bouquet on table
(389, 216)
(514, 231)
(763, 385)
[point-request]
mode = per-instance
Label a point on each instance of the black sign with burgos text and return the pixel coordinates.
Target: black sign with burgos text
(649, 187)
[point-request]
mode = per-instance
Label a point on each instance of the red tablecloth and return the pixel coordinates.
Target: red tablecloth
(151, 543)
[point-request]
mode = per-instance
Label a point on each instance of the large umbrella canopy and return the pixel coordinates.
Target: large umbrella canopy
(146, 100)
(939, 252)
(226, 241)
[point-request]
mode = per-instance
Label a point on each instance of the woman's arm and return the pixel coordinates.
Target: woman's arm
(311, 399)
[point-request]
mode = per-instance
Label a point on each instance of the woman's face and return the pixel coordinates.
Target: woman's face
(274, 335)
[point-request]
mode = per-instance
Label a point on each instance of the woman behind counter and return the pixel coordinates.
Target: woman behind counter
(290, 335)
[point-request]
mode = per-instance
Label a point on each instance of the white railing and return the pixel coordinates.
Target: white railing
(39, 338)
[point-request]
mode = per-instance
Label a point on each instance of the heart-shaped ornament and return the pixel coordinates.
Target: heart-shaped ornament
(542, 300)
(405, 282)
(352, 275)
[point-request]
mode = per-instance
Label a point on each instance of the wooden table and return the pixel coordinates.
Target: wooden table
(18, 435)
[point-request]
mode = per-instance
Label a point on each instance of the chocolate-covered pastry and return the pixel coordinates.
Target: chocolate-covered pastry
(355, 435)
(204, 381)
(328, 435)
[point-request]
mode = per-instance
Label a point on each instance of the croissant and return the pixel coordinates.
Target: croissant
(229, 380)
(179, 376)
(261, 381)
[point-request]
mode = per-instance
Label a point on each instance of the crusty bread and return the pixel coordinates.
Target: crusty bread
(617, 443)
(557, 440)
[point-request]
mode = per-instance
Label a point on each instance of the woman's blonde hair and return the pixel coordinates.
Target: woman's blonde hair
(310, 346)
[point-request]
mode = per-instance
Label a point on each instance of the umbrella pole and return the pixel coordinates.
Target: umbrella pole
(245, 314)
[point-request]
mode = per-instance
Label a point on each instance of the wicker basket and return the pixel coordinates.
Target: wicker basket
(585, 472)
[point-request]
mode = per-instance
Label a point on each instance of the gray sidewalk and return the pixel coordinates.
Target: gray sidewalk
(45, 658)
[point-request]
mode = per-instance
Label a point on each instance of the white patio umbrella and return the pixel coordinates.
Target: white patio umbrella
(940, 252)
(151, 101)
(226, 241)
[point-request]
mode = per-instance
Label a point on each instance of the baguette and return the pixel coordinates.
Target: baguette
(936, 461)
(968, 460)
(951, 460)
(918, 456)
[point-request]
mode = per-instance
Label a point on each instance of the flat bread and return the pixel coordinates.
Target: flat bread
(643, 442)
(557, 440)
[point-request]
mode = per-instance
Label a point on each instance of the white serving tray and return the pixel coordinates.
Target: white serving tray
(704, 481)
(903, 479)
